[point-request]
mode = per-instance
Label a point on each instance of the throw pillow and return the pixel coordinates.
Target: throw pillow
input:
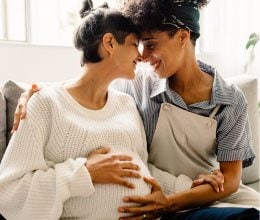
(2, 125)
(12, 92)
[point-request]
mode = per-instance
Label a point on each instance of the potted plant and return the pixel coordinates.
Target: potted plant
(250, 45)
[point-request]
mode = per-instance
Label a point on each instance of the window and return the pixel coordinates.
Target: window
(224, 23)
(12, 25)
(1, 23)
(44, 22)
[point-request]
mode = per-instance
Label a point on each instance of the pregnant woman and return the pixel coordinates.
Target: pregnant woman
(49, 170)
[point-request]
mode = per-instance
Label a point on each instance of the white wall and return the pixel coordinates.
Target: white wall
(225, 65)
(230, 64)
(29, 63)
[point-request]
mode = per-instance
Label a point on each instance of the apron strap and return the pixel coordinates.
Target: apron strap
(214, 112)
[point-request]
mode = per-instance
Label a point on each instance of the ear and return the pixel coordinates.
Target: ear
(108, 41)
(184, 36)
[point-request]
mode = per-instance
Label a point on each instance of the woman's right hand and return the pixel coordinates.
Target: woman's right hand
(20, 111)
(107, 167)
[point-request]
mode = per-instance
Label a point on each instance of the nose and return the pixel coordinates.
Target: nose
(138, 58)
(145, 55)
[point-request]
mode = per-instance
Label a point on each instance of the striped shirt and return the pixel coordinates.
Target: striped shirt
(233, 138)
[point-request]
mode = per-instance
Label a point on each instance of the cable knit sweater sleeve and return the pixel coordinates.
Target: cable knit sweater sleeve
(30, 187)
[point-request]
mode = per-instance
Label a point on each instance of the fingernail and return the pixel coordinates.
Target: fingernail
(217, 189)
(222, 189)
(121, 209)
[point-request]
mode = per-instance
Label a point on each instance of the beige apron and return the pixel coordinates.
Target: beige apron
(184, 143)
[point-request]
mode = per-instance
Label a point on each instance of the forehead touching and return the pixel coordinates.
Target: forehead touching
(132, 37)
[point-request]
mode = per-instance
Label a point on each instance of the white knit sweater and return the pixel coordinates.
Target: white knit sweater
(42, 175)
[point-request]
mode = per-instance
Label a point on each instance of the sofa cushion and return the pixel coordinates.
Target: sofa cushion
(248, 84)
(2, 125)
(12, 92)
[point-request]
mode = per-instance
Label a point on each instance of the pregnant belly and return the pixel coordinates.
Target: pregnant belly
(104, 202)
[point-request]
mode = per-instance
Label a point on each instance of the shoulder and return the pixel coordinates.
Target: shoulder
(239, 94)
(223, 92)
(124, 102)
(236, 96)
(44, 99)
(120, 96)
(227, 93)
(235, 107)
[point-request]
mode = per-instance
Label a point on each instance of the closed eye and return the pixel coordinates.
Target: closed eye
(149, 45)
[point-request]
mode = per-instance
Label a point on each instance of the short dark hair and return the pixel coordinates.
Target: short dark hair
(149, 15)
(97, 22)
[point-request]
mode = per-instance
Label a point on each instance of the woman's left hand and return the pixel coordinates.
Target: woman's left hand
(215, 178)
(153, 205)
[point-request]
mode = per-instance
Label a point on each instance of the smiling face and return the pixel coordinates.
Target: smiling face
(163, 51)
(127, 56)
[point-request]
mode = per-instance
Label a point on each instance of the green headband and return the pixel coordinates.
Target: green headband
(184, 15)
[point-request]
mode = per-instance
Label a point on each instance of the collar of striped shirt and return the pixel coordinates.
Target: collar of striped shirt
(222, 92)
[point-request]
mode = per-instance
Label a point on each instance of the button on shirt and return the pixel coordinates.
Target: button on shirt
(233, 140)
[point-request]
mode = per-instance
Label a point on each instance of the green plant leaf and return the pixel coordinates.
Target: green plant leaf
(253, 35)
(252, 41)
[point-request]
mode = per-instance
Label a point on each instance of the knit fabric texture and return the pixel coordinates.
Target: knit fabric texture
(42, 174)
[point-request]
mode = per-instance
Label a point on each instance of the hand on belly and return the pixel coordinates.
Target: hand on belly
(106, 199)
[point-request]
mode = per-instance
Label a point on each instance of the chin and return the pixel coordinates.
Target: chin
(160, 74)
(163, 75)
(130, 76)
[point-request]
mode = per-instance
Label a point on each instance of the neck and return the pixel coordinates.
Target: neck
(90, 89)
(192, 84)
(188, 78)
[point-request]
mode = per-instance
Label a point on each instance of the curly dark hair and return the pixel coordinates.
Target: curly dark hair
(149, 15)
(95, 23)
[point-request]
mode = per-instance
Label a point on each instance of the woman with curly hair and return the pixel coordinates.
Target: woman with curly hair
(195, 122)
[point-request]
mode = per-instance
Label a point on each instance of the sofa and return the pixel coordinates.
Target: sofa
(10, 92)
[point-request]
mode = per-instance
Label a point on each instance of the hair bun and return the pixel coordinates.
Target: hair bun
(87, 6)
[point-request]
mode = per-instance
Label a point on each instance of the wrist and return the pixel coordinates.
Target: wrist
(180, 201)
(91, 173)
(171, 204)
